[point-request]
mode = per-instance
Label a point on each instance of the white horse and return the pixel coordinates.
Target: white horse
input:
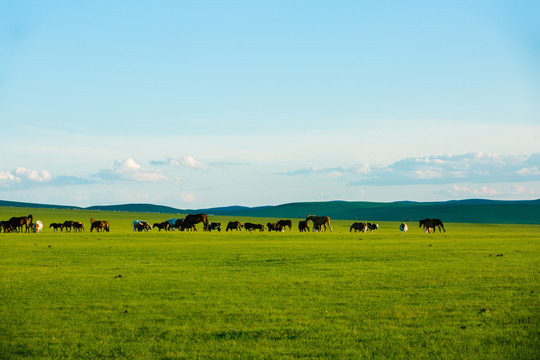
(38, 226)
(403, 227)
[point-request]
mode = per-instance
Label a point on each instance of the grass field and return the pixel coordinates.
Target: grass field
(469, 293)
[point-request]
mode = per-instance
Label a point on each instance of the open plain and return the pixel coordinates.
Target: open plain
(471, 292)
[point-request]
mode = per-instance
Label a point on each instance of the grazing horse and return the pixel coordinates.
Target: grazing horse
(234, 225)
(371, 227)
(358, 226)
(319, 221)
(140, 225)
(68, 224)
(16, 223)
(214, 226)
(274, 227)
(432, 223)
(403, 228)
(162, 226)
(78, 226)
(5, 226)
(285, 223)
(303, 226)
(192, 219)
(174, 224)
(37, 227)
(251, 227)
(99, 225)
(57, 226)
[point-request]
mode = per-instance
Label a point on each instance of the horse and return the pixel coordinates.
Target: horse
(192, 219)
(273, 227)
(5, 226)
(78, 226)
(285, 223)
(140, 225)
(432, 223)
(37, 227)
(403, 228)
(99, 225)
(162, 226)
(371, 227)
(57, 226)
(68, 224)
(174, 224)
(214, 226)
(234, 225)
(357, 226)
(259, 227)
(319, 221)
(17, 223)
(303, 226)
(181, 226)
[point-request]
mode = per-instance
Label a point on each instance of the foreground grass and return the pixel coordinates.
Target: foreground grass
(469, 293)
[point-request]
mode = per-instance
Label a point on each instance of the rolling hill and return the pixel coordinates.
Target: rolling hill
(464, 211)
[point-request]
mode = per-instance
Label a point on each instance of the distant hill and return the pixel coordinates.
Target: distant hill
(464, 211)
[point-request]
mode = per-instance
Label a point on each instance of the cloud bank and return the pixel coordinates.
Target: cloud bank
(442, 169)
(22, 177)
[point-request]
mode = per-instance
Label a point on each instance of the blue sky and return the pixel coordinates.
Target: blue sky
(216, 103)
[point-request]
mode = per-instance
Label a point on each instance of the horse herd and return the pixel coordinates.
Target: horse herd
(15, 224)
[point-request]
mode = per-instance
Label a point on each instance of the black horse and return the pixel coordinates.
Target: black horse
(432, 223)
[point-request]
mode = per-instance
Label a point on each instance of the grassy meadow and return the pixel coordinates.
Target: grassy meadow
(469, 293)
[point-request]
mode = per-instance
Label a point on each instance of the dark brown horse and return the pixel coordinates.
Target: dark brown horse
(358, 226)
(234, 225)
(319, 221)
(162, 226)
(68, 224)
(273, 227)
(192, 219)
(99, 225)
(78, 226)
(16, 223)
(285, 223)
(57, 226)
(303, 226)
(4, 225)
(432, 223)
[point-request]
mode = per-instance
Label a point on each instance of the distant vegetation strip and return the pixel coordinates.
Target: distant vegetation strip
(460, 211)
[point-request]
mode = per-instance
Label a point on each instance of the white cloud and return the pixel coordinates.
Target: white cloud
(185, 161)
(7, 178)
(22, 177)
(190, 162)
(335, 174)
(128, 169)
(457, 190)
(528, 171)
(33, 175)
(522, 190)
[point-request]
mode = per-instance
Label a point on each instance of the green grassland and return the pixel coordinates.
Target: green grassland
(469, 293)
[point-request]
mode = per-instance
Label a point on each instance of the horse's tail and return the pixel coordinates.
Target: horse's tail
(205, 222)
